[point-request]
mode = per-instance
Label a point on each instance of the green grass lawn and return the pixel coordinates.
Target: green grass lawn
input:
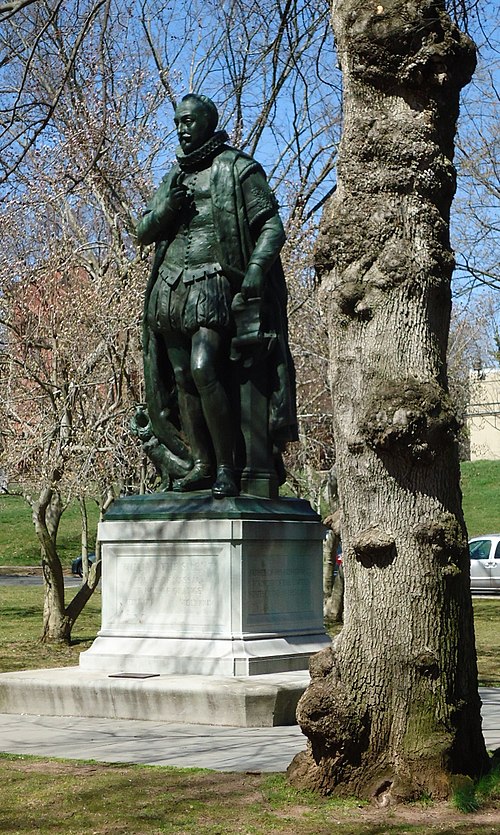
(21, 627)
(481, 496)
(487, 628)
(77, 798)
(85, 798)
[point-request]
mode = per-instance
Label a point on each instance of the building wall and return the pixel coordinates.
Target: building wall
(483, 415)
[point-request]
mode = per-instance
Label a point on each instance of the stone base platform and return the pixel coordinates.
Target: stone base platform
(244, 702)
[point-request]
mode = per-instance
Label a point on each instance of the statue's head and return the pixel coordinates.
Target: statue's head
(195, 119)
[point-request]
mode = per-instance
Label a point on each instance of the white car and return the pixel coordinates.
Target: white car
(485, 562)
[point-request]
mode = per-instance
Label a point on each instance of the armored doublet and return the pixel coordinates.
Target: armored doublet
(191, 290)
(193, 253)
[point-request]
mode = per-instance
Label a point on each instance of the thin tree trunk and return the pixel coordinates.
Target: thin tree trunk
(334, 606)
(393, 709)
(330, 546)
(89, 585)
(59, 619)
(333, 579)
(47, 512)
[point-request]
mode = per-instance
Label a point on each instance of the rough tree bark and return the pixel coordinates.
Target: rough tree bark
(393, 709)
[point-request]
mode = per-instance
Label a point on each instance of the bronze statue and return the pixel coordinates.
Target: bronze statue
(220, 400)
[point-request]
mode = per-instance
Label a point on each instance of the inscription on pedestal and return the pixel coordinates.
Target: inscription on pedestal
(281, 589)
(167, 588)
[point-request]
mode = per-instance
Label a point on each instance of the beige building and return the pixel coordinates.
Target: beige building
(483, 415)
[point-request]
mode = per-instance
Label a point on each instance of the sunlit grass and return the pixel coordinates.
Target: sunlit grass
(78, 798)
(18, 542)
(481, 496)
(21, 627)
(473, 796)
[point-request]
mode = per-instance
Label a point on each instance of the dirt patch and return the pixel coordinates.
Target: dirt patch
(436, 817)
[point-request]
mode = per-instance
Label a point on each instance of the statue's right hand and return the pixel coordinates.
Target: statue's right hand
(178, 196)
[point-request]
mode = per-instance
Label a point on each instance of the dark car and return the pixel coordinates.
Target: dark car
(485, 562)
(77, 564)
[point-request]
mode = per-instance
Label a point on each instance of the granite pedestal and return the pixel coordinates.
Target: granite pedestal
(196, 586)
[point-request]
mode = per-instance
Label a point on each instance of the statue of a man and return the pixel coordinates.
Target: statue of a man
(218, 235)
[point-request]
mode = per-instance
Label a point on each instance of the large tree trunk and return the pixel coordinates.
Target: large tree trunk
(393, 709)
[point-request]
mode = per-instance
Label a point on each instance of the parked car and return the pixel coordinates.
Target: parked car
(77, 564)
(485, 562)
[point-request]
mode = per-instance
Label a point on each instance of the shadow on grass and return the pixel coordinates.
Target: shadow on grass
(21, 611)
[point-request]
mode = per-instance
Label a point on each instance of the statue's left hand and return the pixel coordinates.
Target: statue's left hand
(251, 287)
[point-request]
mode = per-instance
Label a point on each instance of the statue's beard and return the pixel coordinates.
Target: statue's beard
(205, 153)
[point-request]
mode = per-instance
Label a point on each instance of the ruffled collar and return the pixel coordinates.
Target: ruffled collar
(205, 153)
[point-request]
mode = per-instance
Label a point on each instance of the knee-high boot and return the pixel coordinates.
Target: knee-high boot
(220, 421)
(201, 476)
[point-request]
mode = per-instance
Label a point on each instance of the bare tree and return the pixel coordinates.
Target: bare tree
(309, 462)
(263, 63)
(71, 296)
(67, 388)
(265, 66)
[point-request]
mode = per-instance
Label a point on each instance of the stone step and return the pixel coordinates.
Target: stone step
(243, 702)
